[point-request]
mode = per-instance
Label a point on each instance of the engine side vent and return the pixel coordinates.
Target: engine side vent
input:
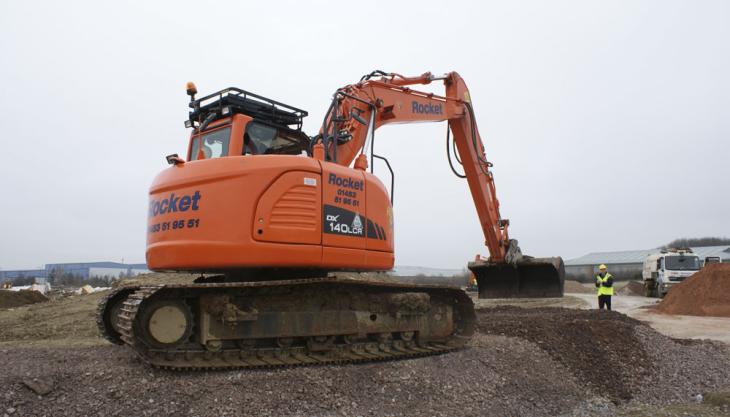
(296, 209)
(290, 211)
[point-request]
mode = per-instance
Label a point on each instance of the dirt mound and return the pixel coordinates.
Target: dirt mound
(64, 320)
(612, 355)
(12, 299)
(576, 287)
(706, 293)
(588, 342)
(632, 288)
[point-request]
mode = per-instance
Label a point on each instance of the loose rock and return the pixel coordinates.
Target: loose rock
(39, 387)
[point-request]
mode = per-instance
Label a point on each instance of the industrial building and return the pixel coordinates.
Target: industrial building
(22, 273)
(84, 270)
(628, 264)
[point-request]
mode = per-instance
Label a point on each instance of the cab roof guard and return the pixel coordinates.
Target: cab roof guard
(232, 100)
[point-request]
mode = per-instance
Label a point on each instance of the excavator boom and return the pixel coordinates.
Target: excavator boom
(358, 109)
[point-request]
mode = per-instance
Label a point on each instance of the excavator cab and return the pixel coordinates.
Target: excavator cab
(234, 122)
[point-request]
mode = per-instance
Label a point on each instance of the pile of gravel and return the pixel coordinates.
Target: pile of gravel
(616, 357)
(598, 347)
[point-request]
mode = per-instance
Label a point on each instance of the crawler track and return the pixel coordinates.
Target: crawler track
(266, 352)
(105, 313)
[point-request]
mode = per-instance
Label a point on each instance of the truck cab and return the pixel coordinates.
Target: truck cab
(668, 267)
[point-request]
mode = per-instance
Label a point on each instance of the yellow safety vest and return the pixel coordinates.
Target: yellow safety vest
(601, 289)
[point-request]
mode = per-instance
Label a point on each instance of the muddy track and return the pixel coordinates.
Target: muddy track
(339, 350)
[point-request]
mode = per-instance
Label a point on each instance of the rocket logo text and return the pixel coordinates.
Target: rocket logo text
(429, 108)
(173, 204)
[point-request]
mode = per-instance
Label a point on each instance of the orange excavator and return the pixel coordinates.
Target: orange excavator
(287, 232)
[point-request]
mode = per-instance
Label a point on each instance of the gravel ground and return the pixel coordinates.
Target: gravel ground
(522, 362)
(109, 381)
(681, 367)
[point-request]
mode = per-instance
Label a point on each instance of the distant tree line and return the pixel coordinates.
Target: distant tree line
(66, 279)
(697, 242)
(59, 278)
(22, 280)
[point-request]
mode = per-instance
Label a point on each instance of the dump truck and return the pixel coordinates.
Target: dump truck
(666, 268)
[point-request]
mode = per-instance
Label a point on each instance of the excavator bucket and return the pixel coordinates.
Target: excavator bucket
(528, 278)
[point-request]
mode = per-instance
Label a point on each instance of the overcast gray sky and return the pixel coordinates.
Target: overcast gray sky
(607, 121)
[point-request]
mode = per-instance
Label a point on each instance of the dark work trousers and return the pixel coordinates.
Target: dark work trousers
(604, 300)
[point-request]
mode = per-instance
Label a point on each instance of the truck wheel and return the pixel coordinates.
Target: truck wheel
(649, 289)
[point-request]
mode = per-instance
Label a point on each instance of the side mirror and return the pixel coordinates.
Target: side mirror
(174, 159)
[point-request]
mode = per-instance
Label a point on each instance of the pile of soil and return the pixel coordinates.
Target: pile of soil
(69, 320)
(706, 293)
(12, 299)
(632, 288)
(576, 287)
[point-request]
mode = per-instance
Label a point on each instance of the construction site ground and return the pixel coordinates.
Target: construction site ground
(528, 358)
(635, 306)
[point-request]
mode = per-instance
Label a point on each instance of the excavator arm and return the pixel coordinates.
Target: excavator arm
(357, 110)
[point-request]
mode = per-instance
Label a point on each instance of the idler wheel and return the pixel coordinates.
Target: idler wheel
(167, 323)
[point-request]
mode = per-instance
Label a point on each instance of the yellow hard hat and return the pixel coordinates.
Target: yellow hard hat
(602, 266)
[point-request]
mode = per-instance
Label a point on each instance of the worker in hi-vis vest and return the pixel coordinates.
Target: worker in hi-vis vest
(604, 284)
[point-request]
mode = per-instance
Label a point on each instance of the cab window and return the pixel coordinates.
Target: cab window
(214, 144)
(261, 138)
(683, 263)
